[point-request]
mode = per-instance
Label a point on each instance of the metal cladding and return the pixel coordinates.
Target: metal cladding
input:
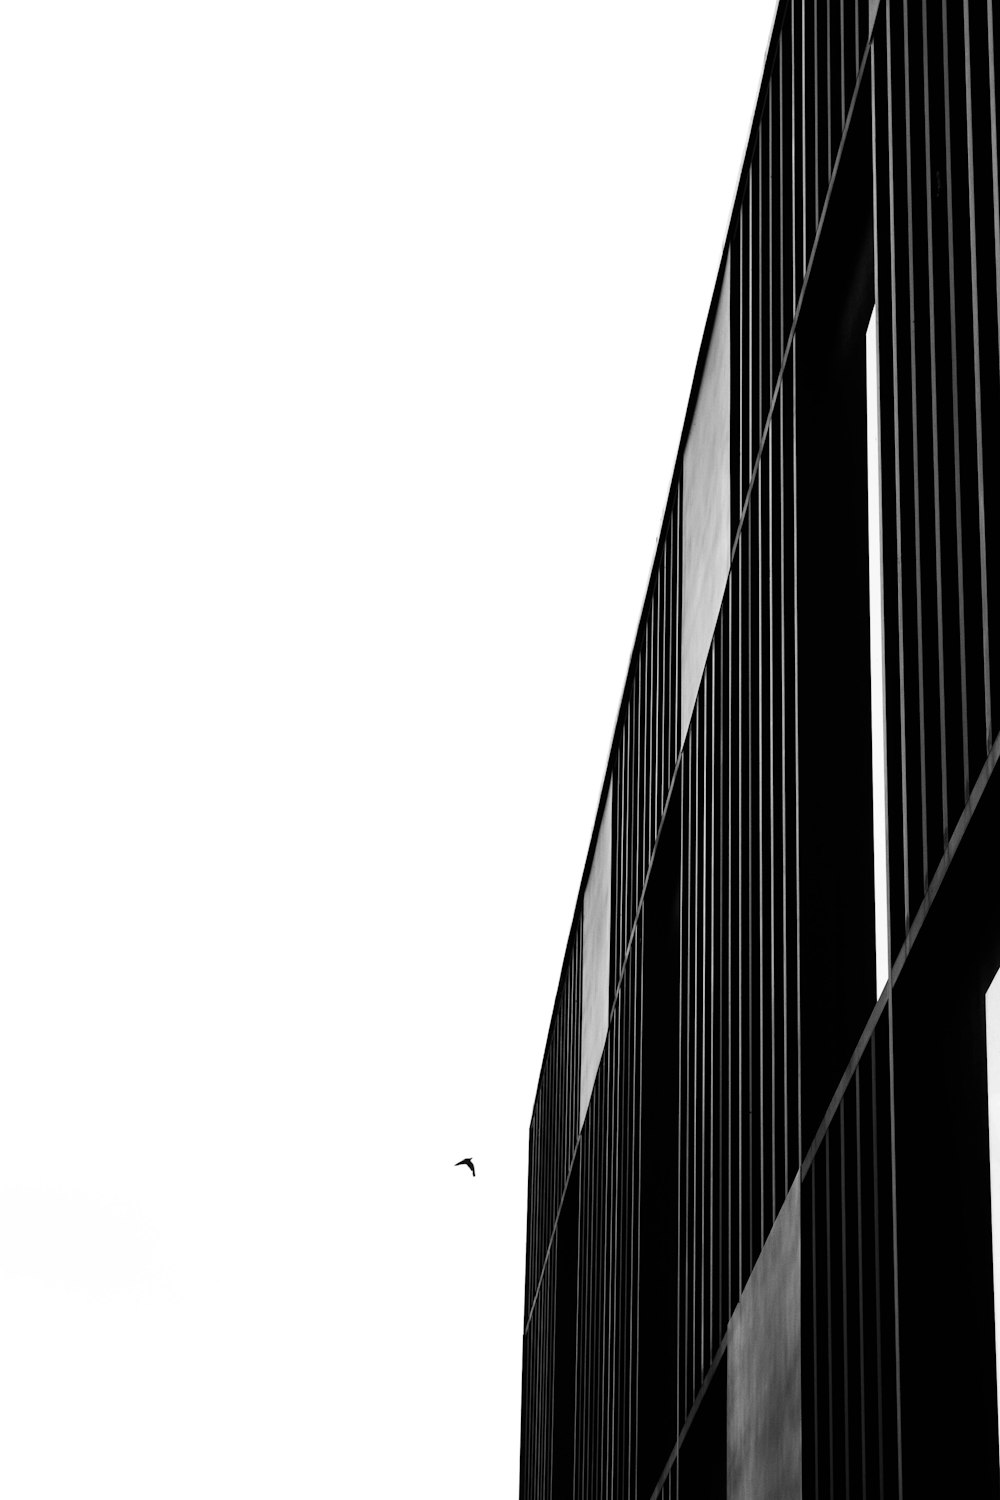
(760, 1219)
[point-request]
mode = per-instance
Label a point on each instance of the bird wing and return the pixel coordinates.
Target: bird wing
(467, 1162)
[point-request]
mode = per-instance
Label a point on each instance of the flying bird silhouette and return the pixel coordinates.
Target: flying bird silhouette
(467, 1162)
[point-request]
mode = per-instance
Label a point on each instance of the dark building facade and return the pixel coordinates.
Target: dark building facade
(760, 1226)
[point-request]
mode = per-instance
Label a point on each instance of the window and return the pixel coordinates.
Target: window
(877, 656)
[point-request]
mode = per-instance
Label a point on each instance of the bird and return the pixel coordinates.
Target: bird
(467, 1162)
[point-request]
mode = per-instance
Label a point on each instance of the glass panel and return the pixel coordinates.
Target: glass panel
(876, 649)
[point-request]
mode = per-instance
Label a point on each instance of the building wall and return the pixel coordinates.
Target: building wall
(757, 1102)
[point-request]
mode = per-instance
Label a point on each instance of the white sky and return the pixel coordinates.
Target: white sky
(343, 357)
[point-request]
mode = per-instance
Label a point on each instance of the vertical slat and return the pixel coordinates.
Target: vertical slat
(619, 1160)
(782, 321)
(815, 1324)
(649, 821)
(623, 842)
(895, 1229)
(776, 1196)
(697, 1090)
(720, 1310)
(808, 1342)
(781, 927)
(626, 829)
(774, 198)
(703, 1132)
(661, 680)
(767, 843)
(646, 762)
(798, 126)
(914, 423)
(840, 81)
(746, 382)
(721, 995)
(709, 864)
(597, 1290)
(616, 828)
(678, 604)
(601, 1268)
(635, 741)
(547, 1330)
(956, 429)
(686, 1010)
(637, 773)
(668, 647)
(754, 283)
(650, 784)
(738, 672)
(842, 1187)
(760, 280)
(863, 1405)
(654, 633)
(979, 105)
(666, 642)
(824, 104)
(672, 641)
(587, 1425)
(807, 98)
(782, 493)
(621, 782)
(829, 1308)
(887, 464)
(992, 47)
(764, 138)
(636, 850)
(630, 821)
(732, 1219)
(813, 110)
(795, 657)
(736, 912)
(977, 377)
(739, 437)
(607, 1283)
(900, 637)
(625, 1343)
(788, 192)
(675, 1207)
(645, 801)
(612, 1257)
(880, 1383)
(621, 1222)
(696, 1073)
(579, 1395)
(935, 455)
(630, 1300)
(757, 879)
(536, 1403)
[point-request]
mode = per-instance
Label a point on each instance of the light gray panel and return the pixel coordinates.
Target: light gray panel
(596, 959)
(705, 510)
(764, 1369)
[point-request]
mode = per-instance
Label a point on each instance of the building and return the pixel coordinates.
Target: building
(759, 1238)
